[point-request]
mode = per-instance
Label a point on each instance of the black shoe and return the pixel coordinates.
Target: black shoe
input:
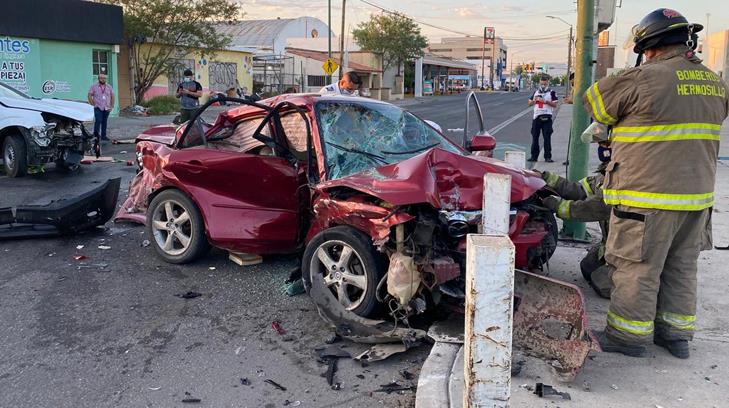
(104, 138)
(531, 159)
(677, 348)
(549, 160)
(612, 346)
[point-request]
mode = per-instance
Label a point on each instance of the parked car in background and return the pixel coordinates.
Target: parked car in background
(35, 131)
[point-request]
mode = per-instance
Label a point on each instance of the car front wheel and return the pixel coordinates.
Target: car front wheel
(343, 260)
(15, 162)
(176, 227)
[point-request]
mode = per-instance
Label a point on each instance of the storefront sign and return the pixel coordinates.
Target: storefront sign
(51, 87)
(13, 64)
(428, 87)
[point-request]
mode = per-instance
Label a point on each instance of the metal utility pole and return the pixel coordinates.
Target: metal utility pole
(329, 33)
(341, 41)
(706, 36)
(483, 59)
(493, 60)
(578, 151)
(569, 63)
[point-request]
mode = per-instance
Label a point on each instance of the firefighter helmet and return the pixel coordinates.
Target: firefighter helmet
(664, 27)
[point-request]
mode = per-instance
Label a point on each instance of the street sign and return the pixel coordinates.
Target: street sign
(330, 66)
(488, 35)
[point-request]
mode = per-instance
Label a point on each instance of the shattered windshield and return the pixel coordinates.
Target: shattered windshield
(359, 136)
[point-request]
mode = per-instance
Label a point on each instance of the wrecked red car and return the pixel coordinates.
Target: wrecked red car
(375, 200)
(348, 182)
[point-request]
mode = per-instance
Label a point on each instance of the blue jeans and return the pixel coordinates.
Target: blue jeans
(100, 119)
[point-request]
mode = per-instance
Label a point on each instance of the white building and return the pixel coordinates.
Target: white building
(267, 39)
(474, 51)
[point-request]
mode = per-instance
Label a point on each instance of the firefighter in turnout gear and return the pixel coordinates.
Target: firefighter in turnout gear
(583, 201)
(666, 116)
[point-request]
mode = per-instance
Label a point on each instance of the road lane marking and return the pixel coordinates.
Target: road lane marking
(509, 121)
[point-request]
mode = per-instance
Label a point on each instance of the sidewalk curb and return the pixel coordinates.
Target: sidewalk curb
(434, 382)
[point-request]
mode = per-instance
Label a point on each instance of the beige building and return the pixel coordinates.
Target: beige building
(473, 51)
(716, 53)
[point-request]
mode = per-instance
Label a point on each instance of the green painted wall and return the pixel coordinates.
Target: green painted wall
(53, 69)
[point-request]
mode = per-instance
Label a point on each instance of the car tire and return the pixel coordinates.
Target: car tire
(176, 228)
(363, 261)
(15, 159)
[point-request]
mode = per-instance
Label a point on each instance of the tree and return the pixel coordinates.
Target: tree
(518, 70)
(395, 36)
(176, 27)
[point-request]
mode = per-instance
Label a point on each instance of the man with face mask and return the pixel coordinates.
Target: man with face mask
(348, 86)
(666, 116)
(101, 96)
(544, 101)
(583, 201)
(189, 91)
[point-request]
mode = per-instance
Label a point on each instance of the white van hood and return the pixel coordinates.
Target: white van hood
(79, 111)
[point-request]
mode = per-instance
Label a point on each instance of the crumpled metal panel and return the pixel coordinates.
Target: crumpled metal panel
(369, 218)
(440, 178)
(149, 179)
(550, 322)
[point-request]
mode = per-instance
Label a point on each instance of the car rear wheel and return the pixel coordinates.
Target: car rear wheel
(343, 260)
(15, 161)
(176, 227)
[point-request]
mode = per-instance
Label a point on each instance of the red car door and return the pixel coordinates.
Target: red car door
(249, 201)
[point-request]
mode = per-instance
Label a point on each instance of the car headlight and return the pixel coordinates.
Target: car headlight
(41, 134)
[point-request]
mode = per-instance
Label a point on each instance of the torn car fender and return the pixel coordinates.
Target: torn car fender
(374, 220)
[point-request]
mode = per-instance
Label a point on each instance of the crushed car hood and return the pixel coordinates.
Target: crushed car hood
(440, 178)
(164, 134)
(79, 111)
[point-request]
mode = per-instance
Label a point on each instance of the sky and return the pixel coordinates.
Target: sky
(529, 34)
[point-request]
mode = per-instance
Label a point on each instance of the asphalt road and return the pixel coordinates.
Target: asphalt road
(108, 330)
(506, 116)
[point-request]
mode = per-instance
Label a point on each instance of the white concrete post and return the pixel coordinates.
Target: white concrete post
(516, 158)
(496, 204)
(419, 77)
(489, 302)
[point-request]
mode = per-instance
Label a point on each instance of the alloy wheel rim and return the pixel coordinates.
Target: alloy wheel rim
(342, 272)
(172, 227)
(9, 156)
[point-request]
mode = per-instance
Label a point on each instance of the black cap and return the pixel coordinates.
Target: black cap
(662, 27)
(188, 72)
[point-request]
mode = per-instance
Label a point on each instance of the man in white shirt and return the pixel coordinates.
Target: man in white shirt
(544, 101)
(347, 86)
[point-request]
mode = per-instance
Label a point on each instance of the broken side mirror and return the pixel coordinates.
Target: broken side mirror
(482, 142)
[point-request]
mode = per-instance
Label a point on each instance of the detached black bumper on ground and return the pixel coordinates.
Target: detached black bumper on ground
(62, 217)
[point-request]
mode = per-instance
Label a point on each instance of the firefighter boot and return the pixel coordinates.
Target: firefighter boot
(609, 345)
(677, 348)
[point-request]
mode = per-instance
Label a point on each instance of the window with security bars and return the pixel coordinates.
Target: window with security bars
(316, 80)
(100, 62)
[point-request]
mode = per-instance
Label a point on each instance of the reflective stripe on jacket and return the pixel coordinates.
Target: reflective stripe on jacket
(666, 117)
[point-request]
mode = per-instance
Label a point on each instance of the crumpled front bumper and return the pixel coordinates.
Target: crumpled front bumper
(62, 217)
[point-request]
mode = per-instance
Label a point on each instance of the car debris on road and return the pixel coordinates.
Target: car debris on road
(65, 216)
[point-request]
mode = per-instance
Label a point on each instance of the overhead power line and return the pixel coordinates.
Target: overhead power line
(544, 37)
